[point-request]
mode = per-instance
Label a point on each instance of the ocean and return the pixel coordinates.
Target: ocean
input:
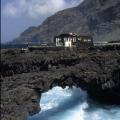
(7, 46)
(73, 104)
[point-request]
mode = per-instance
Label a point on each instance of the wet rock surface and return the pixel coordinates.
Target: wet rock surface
(25, 75)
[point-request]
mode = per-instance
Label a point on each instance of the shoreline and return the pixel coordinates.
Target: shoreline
(25, 75)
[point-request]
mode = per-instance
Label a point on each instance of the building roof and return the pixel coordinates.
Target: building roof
(73, 35)
(66, 35)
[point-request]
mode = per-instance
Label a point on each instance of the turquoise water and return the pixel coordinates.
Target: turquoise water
(73, 104)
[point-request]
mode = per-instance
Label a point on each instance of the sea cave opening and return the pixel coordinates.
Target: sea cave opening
(72, 103)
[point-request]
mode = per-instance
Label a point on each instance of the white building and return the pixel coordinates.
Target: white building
(73, 40)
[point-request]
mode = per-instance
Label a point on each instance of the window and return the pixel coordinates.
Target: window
(68, 39)
(74, 39)
(58, 41)
(89, 40)
(79, 39)
(64, 39)
(85, 40)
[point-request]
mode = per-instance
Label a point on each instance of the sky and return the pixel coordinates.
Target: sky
(18, 15)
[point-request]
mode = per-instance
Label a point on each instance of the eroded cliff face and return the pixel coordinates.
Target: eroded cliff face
(100, 18)
(25, 75)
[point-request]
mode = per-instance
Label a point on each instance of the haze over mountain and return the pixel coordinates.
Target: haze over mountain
(100, 18)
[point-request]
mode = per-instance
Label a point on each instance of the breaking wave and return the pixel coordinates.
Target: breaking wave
(73, 104)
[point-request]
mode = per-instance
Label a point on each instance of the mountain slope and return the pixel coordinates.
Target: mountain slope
(101, 18)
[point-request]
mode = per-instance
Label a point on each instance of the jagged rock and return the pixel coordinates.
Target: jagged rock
(23, 80)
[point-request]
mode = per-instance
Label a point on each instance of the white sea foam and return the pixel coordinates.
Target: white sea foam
(54, 97)
(72, 104)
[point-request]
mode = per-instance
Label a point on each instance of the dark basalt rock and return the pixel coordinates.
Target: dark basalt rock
(24, 76)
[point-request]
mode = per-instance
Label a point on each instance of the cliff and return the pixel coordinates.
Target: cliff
(26, 75)
(100, 18)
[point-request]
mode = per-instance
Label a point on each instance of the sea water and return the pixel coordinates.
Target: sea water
(73, 104)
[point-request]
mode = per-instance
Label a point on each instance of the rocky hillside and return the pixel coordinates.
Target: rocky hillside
(101, 18)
